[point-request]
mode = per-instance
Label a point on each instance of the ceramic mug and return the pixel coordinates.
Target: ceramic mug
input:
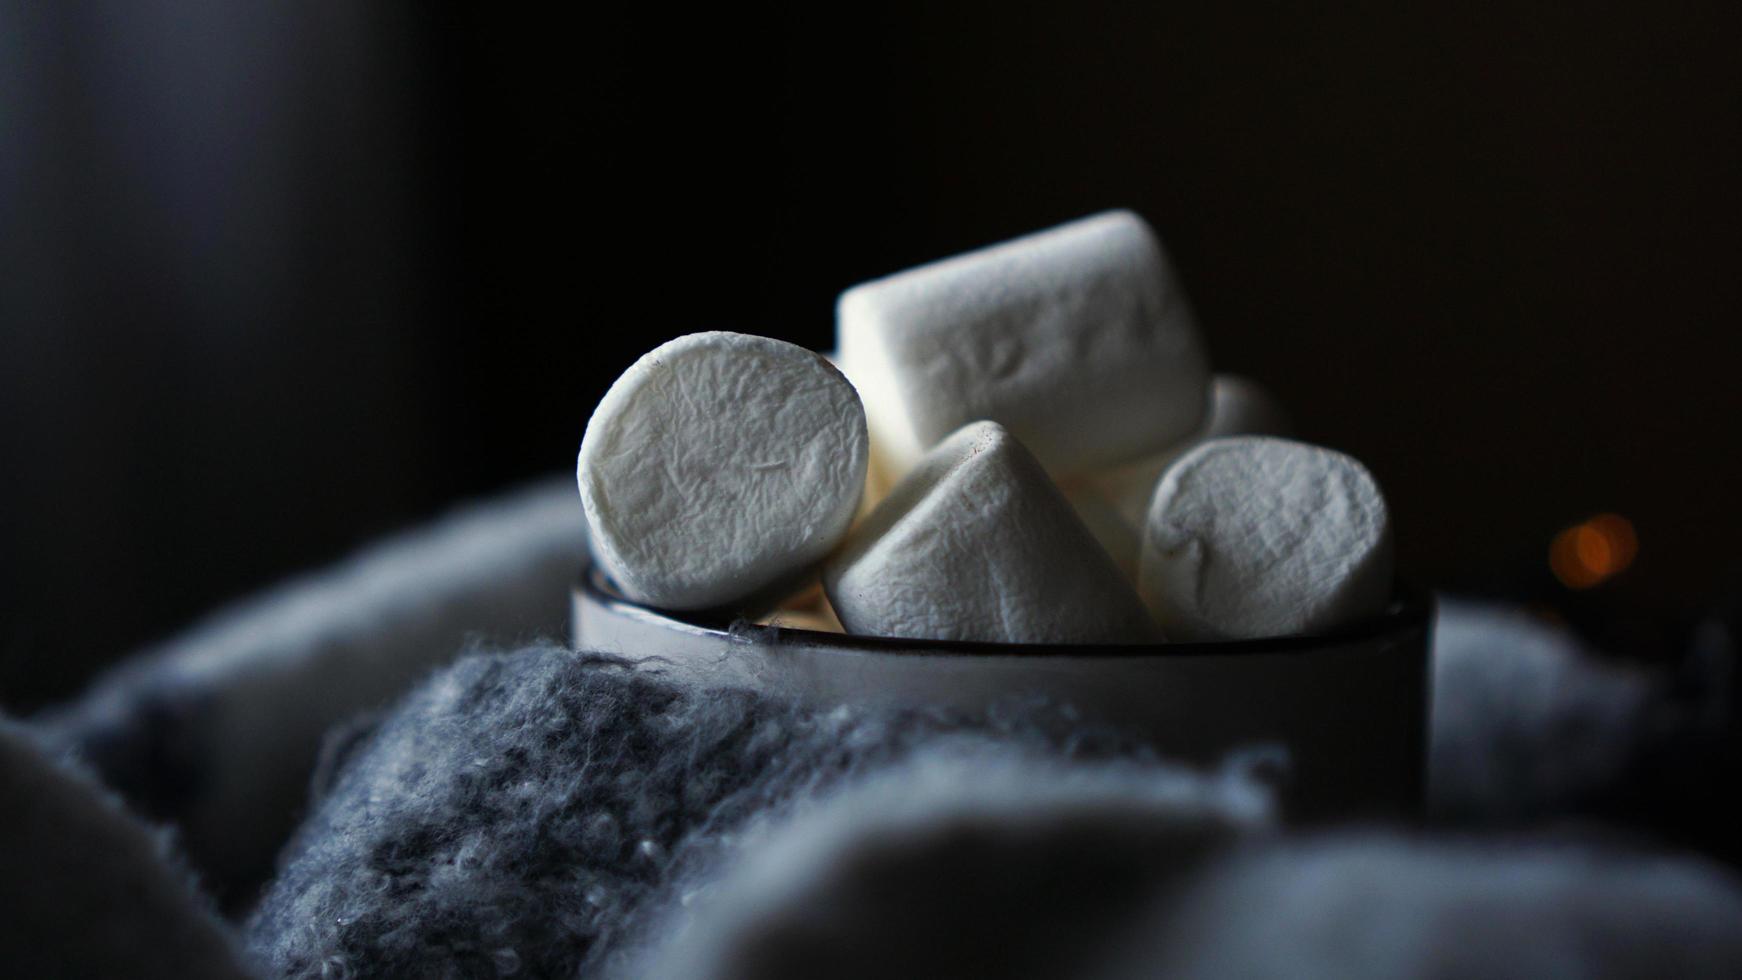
(1349, 706)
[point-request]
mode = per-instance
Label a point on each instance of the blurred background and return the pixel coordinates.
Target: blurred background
(279, 279)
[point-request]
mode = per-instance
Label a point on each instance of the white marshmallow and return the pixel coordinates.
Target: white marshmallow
(877, 478)
(977, 544)
(1238, 407)
(1077, 339)
(719, 464)
(1254, 536)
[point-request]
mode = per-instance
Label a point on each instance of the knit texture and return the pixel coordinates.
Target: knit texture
(533, 811)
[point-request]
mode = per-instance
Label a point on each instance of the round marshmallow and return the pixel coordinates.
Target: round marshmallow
(1254, 536)
(978, 544)
(720, 464)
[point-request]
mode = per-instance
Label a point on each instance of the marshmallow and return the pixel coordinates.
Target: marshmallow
(718, 465)
(1238, 407)
(877, 478)
(977, 544)
(1077, 339)
(1255, 536)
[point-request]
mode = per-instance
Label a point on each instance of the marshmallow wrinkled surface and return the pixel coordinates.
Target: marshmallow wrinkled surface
(1077, 339)
(719, 464)
(977, 544)
(1254, 536)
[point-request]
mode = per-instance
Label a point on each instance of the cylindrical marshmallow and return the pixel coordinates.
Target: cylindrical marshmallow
(718, 465)
(1077, 339)
(977, 544)
(1254, 536)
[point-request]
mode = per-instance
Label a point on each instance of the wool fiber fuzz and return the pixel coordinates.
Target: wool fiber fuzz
(532, 811)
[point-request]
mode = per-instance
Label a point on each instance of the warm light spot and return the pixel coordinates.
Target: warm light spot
(1617, 532)
(1592, 552)
(1564, 560)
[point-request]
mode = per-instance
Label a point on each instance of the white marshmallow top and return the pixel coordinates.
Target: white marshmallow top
(1254, 536)
(1077, 339)
(977, 544)
(719, 464)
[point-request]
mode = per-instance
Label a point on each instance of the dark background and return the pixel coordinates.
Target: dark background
(281, 278)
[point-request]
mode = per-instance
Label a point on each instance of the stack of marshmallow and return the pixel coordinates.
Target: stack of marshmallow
(1022, 444)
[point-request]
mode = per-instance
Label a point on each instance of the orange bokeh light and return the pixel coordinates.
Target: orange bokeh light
(1594, 551)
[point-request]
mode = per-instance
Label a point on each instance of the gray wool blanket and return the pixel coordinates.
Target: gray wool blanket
(383, 771)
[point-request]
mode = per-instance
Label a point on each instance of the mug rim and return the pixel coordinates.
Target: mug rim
(1410, 609)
